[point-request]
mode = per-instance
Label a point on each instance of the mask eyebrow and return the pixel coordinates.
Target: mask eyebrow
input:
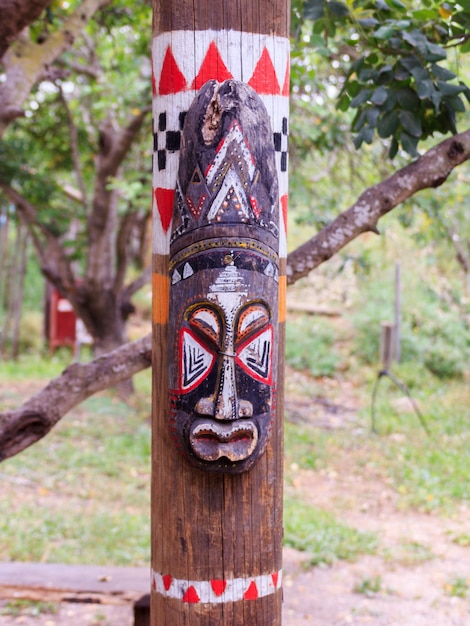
(207, 322)
(253, 317)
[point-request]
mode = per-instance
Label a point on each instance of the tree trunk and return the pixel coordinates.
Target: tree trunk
(216, 496)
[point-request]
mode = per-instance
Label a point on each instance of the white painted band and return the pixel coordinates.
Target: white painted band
(217, 591)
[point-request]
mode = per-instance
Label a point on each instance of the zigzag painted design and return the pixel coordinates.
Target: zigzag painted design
(217, 591)
(264, 68)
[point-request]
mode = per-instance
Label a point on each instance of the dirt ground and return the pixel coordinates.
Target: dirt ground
(417, 570)
(410, 594)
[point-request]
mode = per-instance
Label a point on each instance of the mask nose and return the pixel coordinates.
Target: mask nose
(226, 405)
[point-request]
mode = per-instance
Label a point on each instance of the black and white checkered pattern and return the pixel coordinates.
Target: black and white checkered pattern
(281, 144)
(167, 140)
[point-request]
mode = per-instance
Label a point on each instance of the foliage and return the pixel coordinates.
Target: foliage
(309, 345)
(434, 329)
(399, 79)
(53, 156)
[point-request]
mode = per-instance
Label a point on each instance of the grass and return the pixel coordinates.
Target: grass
(409, 553)
(457, 587)
(318, 533)
(84, 490)
(368, 586)
(32, 608)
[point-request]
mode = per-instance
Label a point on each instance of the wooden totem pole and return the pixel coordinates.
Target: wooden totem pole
(221, 85)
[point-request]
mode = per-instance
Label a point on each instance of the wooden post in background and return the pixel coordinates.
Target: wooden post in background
(216, 535)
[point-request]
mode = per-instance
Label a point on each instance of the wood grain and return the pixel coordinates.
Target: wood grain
(210, 527)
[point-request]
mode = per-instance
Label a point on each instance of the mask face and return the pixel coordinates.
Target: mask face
(223, 392)
(224, 272)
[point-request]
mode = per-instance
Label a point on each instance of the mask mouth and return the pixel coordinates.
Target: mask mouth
(211, 440)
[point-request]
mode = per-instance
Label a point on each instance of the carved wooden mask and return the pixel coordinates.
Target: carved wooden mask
(224, 270)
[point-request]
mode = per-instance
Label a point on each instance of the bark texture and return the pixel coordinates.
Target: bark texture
(16, 15)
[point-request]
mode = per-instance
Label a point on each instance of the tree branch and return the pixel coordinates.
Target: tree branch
(16, 15)
(429, 171)
(54, 263)
(22, 427)
(26, 61)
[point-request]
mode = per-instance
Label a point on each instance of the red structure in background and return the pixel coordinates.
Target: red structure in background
(60, 321)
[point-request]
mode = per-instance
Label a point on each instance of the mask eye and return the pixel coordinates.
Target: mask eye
(198, 346)
(206, 323)
(255, 342)
(251, 319)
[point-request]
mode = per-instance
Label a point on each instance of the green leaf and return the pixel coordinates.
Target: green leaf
(361, 98)
(424, 14)
(401, 73)
(435, 52)
(367, 73)
(419, 73)
(385, 74)
(314, 9)
(338, 8)
(425, 89)
(456, 103)
(396, 4)
(343, 102)
(407, 98)
(379, 96)
(415, 39)
(442, 73)
(436, 99)
(409, 144)
(368, 22)
(359, 121)
(449, 89)
(388, 124)
(372, 116)
(384, 32)
(411, 123)
(392, 152)
(410, 62)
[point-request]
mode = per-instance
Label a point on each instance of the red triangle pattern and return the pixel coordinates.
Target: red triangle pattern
(165, 199)
(212, 67)
(172, 79)
(264, 79)
(275, 578)
(286, 86)
(284, 205)
(252, 592)
(191, 595)
(218, 586)
(167, 581)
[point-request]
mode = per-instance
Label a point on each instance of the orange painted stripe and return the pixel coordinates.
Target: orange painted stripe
(282, 298)
(160, 298)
